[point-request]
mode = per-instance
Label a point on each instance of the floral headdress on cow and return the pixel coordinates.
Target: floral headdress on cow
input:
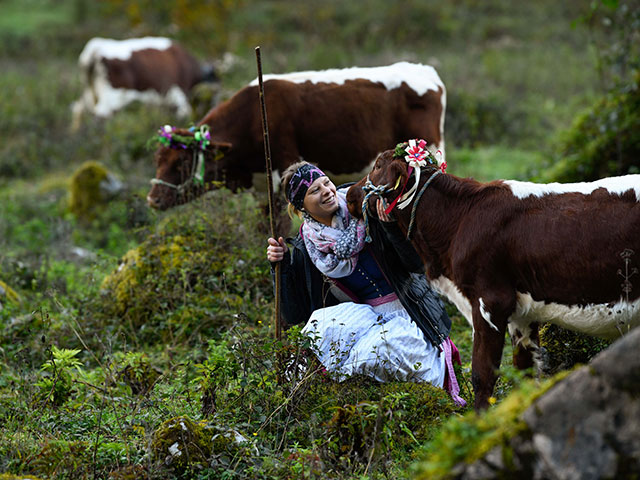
(416, 154)
(168, 137)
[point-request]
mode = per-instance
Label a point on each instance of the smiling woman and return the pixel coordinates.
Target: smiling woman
(367, 307)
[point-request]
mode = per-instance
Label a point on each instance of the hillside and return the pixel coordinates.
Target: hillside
(126, 333)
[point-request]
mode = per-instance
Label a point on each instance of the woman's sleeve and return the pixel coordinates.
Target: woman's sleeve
(402, 247)
(295, 305)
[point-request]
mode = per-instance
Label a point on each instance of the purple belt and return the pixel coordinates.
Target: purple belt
(374, 302)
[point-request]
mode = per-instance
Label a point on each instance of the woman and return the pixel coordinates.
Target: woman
(367, 306)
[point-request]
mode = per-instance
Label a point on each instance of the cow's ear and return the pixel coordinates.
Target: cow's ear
(397, 174)
(221, 146)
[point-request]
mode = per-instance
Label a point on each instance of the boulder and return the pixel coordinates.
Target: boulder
(583, 427)
(92, 186)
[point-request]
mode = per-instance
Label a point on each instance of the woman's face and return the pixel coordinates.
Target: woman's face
(321, 201)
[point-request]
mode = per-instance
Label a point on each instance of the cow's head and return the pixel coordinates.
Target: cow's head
(188, 163)
(394, 174)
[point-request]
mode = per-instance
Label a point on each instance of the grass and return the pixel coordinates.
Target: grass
(493, 163)
(29, 17)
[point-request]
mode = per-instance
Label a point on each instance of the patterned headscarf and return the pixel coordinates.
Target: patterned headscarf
(300, 183)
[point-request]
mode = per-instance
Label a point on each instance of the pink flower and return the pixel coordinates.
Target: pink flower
(416, 153)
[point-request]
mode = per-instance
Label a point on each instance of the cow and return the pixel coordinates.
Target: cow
(153, 70)
(512, 254)
(339, 119)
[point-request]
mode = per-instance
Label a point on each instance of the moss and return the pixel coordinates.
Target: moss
(60, 458)
(85, 194)
(350, 410)
(8, 293)
(467, 439)
(195, 273)
(11, 476)
(182, 444)
(130, 472)
(565, 348)
(138, 373)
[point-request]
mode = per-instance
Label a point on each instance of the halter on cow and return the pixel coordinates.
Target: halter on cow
(513, 254)
(198, 141)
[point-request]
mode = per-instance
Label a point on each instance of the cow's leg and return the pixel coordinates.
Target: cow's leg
(79, 107)
(490, 316)
(524, 340)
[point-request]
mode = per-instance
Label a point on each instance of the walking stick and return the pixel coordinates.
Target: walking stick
(267, 154)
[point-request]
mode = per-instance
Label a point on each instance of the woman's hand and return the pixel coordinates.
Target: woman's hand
(275, 250)
(381, 205)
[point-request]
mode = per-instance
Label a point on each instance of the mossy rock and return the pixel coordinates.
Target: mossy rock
(62, 458)
(11, 476)
(463, 440)
(563, 349)
(202, 267)
(90, 188)
(138, 373)
(182, 444)
(185, 446)
(9, 294)
(129, 472)
(345, 410)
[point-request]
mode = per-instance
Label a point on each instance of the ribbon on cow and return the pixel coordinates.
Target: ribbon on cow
(168, 137)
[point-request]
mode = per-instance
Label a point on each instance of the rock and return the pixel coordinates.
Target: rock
(91, 187)
(586, 426)
(583, 427)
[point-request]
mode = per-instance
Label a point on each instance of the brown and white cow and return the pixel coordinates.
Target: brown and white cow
(339, 119)
(514, 254)
(153, 70)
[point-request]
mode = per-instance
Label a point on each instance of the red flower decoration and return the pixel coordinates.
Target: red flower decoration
(416, 154)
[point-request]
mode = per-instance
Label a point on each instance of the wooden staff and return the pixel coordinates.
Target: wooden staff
(267, 155)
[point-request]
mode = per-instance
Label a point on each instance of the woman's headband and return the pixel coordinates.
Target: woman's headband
(300, 183)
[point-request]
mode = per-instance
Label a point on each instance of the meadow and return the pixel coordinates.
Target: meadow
(126, 331)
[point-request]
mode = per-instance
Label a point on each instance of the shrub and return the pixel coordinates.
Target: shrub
(563, 349)
(190, 277)
(603, 141)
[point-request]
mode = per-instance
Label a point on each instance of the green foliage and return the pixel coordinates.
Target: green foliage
(203, 263)
(564, 349)
(58, 376)
(604, 140)
(136, 370)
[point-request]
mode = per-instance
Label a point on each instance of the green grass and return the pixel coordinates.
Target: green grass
(29, 17)
(493, 163)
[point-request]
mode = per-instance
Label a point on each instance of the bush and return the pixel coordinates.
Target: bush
(191, 277)
(603, 141)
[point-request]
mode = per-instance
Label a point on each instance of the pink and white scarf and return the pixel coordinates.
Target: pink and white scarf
(334, 249)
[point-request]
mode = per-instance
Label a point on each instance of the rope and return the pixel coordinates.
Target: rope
(417, 200)
(371, 189)
(197, 174)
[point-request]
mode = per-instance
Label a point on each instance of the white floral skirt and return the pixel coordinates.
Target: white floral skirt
(381, 342)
